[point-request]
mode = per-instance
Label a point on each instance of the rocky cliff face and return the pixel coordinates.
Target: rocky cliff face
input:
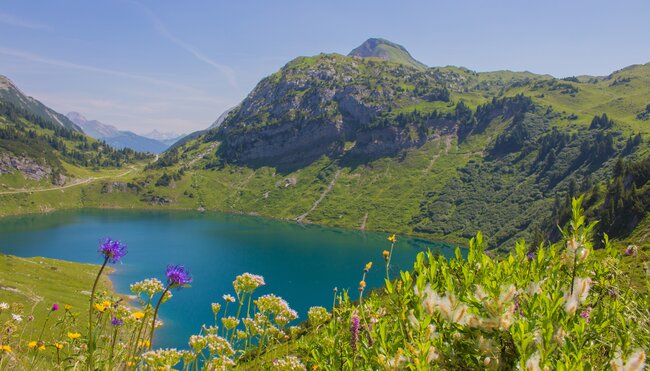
(314, 106)
(29, 168)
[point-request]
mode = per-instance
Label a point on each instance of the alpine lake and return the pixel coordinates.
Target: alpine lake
(300, 263)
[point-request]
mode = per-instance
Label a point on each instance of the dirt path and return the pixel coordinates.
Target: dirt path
(302, 217)
(363, 223)
(74, 184)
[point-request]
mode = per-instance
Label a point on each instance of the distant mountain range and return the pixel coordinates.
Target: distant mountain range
(154, 142)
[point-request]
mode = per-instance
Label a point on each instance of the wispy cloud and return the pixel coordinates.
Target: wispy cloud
(12, 20)
(64, 64)
(227, 71)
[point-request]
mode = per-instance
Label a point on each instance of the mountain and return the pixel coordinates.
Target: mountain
(386, 50)
(114, 137)
(186, 138)
(11, 94)
(167, 138)
(439, 152)
(39, 146)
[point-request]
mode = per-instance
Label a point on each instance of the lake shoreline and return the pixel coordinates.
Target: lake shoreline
(429, 238)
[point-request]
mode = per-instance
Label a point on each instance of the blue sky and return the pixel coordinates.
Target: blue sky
(176, 65)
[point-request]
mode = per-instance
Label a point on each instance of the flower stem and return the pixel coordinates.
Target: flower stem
(155, 315)
(90, 317)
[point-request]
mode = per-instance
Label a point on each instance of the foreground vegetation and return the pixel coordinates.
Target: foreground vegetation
(563, 306)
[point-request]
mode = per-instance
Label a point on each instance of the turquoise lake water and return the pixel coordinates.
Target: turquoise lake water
(301, 263)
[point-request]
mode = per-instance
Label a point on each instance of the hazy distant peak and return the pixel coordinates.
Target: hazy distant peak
(161, 135)
(386, 50)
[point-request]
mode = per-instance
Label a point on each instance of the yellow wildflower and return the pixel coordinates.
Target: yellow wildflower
(100, 307)
(58, 346)
(74, 335)
(368, 266)
(67, 307)
(32, 344)
(144, 343)
(392, 239)
(386, 254)
(362, 285)
(106, 303)
(138, 315)
(5, 348)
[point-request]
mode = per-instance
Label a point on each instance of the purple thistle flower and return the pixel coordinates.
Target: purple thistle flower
(55, 307)
(177, 275)
(354, 332)
(112, 250)
(116, 322)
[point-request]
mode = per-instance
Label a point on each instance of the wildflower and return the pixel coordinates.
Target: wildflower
(392, 238)
(278, 307)
(144, 343)
(58, 346)
(17, 317)
(631, 250)
(368, 266)
(55, 307)
(386, 254)
(636, 362)
(247, 283)
(229, 298)
(230, 322)
(571, 305)
(288, 363)
(412, 320)
(219, 345)
(198, 342)
(559, 336)
(100, 307)
(149, 286)
(318, 315)
(74, 335)
(112, 250)
(67, 307)
(32, 344)
(432, 355)
(4, 306)
(116, 321)
(585, 314)
(530, 256)
(215, 308)
(532, 364)
(177, 275)
(5, 348)
(163, 358)
(354, 331)
(138, 315)
(362, 285)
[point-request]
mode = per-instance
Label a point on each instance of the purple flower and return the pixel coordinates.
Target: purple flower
(177, 275)
(112, 250)
(354, 332)
(631, 250)
(116, 322)
(55, 307)
(530, 255)
(585, 314)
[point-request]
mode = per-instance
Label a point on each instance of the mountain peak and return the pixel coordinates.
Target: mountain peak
(386, 50)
